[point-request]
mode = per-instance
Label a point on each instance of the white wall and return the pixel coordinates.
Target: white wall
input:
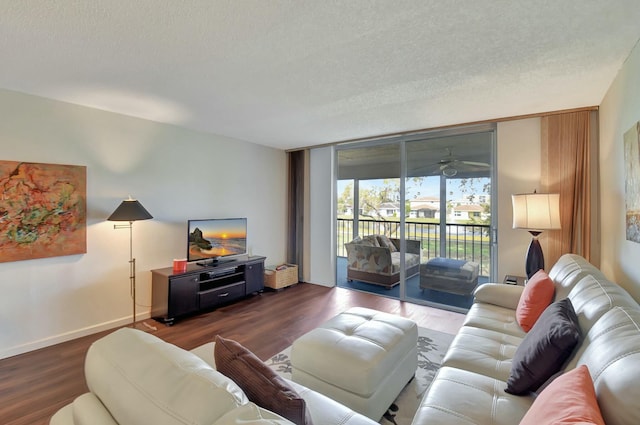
(619, 110)
(176, 174)
(518, 169)
(322, 218)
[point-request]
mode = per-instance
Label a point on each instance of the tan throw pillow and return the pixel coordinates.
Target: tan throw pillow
(385, 242)
(372, 240)
(262, 385)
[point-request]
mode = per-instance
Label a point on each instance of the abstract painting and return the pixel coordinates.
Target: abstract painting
(632, 181)
(42, 211)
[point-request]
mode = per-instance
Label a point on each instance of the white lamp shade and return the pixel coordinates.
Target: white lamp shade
(536, 211)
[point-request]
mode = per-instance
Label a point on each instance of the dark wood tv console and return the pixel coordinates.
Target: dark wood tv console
(202, 288)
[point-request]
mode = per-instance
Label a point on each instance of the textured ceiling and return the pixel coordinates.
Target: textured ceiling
(298, 73)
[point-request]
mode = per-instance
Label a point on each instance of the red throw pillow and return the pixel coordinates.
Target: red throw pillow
(569, 399)
(535, 298)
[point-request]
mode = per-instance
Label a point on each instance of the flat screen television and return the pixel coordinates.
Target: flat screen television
(210, 241)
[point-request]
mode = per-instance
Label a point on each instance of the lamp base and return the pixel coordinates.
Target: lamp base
(535, 258)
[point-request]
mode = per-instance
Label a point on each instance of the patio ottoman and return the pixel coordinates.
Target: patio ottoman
(362, 358)
(448, 275)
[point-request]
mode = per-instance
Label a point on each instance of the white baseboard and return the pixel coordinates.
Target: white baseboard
(68, 336)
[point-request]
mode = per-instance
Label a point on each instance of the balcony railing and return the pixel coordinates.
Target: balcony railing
(469, 242)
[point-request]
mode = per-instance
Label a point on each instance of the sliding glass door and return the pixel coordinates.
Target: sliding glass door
(448, 189)
(414, 216)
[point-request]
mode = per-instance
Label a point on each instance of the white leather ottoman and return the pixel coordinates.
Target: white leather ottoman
(362, 358)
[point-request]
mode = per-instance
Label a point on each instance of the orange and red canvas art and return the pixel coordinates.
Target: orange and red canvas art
(43, 210)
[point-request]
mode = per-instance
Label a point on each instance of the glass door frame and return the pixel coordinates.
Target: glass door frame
(401, 141)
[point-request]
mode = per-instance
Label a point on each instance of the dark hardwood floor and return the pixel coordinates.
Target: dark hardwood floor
(35, 385)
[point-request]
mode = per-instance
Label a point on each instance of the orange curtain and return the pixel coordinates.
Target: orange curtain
(569, 146)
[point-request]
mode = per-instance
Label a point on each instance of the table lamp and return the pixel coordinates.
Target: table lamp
(535, 212)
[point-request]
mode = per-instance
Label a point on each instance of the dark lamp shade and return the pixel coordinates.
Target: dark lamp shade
(130, 210)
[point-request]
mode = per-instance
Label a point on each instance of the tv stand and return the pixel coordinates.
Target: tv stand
(214, 262)
(199, 288)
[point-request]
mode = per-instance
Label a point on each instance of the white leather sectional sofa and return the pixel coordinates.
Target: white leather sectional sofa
(469, 388)
(135, 378)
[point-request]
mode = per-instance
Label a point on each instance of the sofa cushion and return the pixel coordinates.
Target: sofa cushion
(410, 260)
(457, 396)
(537, 296)
(593, 296)
(494, 317)
(451, 267)
(370, 240)
(141, 379)
(385, 242)
(545, 348)
(569, 399)
(262, 385)
(568, 271)
(482, 351)
(498, 294)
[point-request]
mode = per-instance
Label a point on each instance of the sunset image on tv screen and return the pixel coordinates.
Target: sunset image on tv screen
(217, 238)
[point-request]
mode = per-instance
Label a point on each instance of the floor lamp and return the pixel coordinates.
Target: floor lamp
(130, 210)
(535, 212)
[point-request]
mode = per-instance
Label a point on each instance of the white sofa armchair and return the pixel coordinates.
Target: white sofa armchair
(470, 385)
(134, 378)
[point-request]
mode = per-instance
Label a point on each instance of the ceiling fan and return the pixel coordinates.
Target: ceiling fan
(450, 165)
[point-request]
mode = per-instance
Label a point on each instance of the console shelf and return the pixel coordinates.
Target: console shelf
(199, 288)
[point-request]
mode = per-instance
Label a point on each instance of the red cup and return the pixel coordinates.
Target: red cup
(180, 265)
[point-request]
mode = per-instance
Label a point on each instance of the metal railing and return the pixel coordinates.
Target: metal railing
(469, 242)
